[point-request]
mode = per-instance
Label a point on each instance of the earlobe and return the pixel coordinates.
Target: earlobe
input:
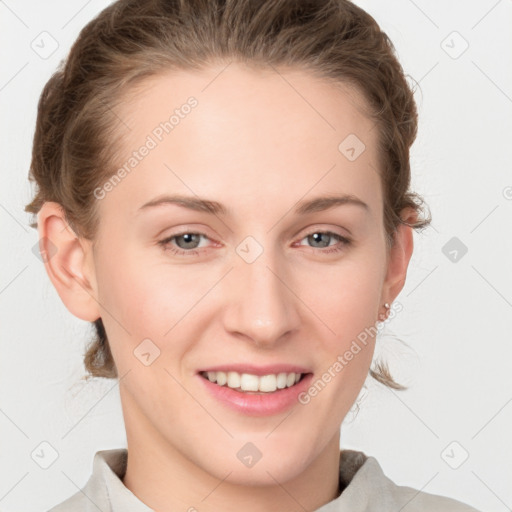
(68, 262)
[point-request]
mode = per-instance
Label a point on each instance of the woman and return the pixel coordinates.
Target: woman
(223, 189)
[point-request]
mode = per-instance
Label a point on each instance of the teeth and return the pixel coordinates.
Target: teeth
(281, 380)
(254, 383)
(221, 378)
(233, 380)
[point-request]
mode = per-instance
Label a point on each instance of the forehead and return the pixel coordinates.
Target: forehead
(257, 131)
(236, 94)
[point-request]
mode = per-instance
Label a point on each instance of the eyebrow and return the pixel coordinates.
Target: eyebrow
(317, 204)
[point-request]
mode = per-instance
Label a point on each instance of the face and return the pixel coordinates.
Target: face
(262, 283)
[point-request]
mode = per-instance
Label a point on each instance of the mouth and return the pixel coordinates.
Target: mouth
(251, 383)
(256, 390)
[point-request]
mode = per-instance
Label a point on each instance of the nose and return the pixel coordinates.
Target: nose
(262, 307)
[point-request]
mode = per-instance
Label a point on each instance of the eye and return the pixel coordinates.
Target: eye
(187, 243)
(322, 238)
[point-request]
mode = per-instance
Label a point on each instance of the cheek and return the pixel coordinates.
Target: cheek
(347, 307)
(151, 299)
(347, 297)
(136, 302)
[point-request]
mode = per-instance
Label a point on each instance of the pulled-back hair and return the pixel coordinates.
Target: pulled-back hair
(77, 136)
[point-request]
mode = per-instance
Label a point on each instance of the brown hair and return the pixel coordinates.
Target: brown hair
(133, 39)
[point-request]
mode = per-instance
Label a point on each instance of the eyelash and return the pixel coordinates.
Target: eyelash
(181, 252)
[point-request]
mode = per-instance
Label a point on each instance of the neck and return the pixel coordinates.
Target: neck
(164, 479)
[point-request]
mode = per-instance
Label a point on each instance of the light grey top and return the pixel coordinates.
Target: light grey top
(365, 489)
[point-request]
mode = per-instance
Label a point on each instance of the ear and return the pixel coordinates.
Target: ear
(399, 256)
(68, 262)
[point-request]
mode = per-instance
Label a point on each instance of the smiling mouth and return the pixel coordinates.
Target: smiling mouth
(254, 384)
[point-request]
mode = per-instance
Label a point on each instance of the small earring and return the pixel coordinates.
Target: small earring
(384, 316)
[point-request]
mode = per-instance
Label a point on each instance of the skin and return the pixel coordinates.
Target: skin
(257, 146)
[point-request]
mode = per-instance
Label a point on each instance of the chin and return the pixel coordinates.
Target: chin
(262, 462)
(266, 472)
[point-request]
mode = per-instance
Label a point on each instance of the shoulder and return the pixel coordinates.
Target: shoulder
(76, 503)
(367, 489)
(104, 486)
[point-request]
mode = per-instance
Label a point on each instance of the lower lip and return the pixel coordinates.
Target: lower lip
(258, 404)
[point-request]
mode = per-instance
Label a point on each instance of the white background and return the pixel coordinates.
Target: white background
(456, 318)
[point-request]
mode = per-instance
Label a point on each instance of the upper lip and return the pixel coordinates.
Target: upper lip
(256, 370)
